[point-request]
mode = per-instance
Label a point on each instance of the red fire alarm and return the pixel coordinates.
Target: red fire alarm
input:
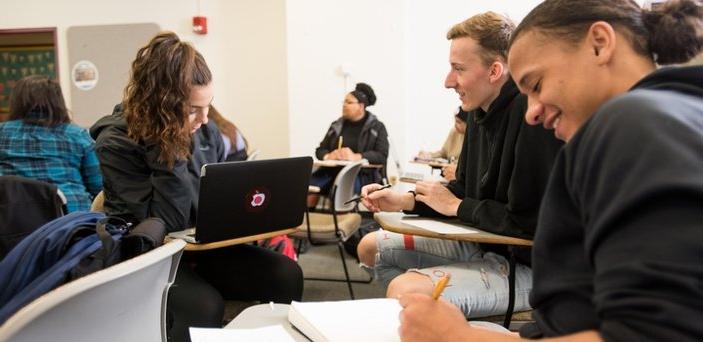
(200, 25)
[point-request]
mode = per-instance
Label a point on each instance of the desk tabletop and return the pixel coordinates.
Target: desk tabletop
(392, 221)
(342, 163)
(232, 242)
(431, 163)
(263, 315)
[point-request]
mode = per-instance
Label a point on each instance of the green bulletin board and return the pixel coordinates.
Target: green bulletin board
(18, 62)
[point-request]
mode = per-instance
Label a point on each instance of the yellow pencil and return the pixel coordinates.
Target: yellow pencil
(441, 284)
(339, 142)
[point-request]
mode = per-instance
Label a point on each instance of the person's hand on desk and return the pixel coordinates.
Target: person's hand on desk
(424, 155)
(449, 172)
(347, 154)
(426, 319)
(344, 153)
(386, 199)
(332, 155)
(437, 197)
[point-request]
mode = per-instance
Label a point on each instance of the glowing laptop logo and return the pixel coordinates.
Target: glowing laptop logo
(257, 199)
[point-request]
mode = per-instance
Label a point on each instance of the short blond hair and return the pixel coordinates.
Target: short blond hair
(492, 32)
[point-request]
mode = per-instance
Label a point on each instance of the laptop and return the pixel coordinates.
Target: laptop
(246, 198)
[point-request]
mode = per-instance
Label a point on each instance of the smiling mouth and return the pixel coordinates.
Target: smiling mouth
(552, 122)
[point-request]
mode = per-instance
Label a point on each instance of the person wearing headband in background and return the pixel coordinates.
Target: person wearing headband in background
(358, 134)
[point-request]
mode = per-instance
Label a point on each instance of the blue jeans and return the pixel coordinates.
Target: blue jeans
(479, 281)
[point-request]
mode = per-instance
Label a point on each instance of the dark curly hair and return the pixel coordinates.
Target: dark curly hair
(671, 33)
(364, 94)
(156, 97)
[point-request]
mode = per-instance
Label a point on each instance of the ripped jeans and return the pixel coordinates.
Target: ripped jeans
(479, 281)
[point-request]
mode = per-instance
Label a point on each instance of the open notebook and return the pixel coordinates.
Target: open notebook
(349, 320)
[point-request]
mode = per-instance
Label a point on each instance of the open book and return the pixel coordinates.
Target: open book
(350, 320)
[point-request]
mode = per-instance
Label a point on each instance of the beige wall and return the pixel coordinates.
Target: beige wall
(245, 48)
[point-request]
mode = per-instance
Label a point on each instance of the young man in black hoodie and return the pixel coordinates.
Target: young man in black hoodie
(618, 254)
(501, 176)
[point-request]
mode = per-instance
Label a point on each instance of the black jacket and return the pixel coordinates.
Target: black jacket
(138, 186)
(373, 144)
(619, 246)
(503, 168)
(25, 205)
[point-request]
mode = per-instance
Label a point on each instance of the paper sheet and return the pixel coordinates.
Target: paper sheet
(439, 227)
(360, 320)
(273, 333)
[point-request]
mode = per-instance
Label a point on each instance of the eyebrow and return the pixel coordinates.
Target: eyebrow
(208, 104)
(524, 80)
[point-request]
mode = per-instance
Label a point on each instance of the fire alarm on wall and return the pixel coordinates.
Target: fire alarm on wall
(200, 25)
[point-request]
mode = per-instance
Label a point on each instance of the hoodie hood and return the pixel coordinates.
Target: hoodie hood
(688, 80)
(115, 120)
(507, 94)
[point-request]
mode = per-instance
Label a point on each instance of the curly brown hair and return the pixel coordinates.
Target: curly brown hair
(156, 97)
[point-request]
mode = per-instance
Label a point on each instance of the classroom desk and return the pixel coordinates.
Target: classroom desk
(393, 222)
(262, 315)
(433, 164)
(342, 163)
(232, 242)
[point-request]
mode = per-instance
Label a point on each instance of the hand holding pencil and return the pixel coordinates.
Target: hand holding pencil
(439, 287)
(359, 198)
(430, 318)
(377, 198)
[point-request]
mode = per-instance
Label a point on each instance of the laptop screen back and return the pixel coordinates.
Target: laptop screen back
(247, 198)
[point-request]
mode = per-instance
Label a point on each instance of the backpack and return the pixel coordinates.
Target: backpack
(68, 248)
(280, 244)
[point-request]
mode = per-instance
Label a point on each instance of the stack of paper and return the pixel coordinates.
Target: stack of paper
(358, 320)
(274, 333)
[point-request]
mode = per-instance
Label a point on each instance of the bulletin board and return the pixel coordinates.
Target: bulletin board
(18, 62)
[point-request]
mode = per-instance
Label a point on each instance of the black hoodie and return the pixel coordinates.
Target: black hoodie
(503, 170)
(137, 186)
(619, 244)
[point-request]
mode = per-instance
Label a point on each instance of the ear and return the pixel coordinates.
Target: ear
(601, 40)
(496, 71)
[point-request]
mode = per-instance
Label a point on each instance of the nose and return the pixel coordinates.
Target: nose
(535, 111)
(450, 80)
(204, 117)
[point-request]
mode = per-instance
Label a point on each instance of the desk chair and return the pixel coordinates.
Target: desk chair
(337, 225)
(125, 302)
(25, 205)
(98, 203)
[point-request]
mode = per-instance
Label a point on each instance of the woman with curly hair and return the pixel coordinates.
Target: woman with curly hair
(151, 150)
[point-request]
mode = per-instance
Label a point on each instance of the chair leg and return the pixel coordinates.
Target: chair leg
(511, 291)
(346, 272)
